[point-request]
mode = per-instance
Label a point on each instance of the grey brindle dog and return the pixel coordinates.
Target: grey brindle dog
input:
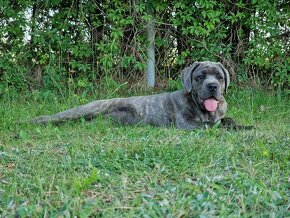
(201, 103)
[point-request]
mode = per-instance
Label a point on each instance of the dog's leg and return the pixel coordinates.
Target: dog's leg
(230, 123)
(122, 113)
(119, 110)
(87, 111)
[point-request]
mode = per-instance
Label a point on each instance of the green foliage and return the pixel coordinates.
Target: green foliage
(49, 44)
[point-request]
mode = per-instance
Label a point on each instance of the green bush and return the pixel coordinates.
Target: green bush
(51, 45)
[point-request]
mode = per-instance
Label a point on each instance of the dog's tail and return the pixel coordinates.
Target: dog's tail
(87, 111)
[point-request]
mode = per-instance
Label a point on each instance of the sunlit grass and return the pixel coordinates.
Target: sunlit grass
(100, 168)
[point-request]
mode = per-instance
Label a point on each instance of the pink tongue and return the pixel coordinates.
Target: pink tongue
(210, 104)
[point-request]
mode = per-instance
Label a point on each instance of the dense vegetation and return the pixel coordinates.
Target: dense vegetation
(75, 44)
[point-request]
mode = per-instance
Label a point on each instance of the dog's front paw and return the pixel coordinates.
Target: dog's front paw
(230, 123)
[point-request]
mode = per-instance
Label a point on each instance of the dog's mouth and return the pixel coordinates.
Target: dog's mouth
(210, 104)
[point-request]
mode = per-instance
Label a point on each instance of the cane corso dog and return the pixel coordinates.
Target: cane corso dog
(201, 103)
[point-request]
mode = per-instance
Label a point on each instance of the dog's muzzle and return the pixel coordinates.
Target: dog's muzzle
(210, 97)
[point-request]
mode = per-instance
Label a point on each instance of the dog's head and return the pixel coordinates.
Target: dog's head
(207, 82)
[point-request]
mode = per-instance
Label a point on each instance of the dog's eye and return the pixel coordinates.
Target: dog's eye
(220, 78)
(201, 77)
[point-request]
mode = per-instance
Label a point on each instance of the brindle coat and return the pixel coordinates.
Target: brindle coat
(183, 109)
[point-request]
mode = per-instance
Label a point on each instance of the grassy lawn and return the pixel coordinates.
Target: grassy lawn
(102, 169)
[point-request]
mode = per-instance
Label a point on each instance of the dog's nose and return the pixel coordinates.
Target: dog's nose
(212, 87)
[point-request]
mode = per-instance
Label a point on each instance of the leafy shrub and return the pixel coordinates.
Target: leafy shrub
(62, 44)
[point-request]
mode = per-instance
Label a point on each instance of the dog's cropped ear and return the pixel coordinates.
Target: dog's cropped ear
(186, 76)
(226, 75)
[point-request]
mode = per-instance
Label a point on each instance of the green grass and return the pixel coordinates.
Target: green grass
(102, 169)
